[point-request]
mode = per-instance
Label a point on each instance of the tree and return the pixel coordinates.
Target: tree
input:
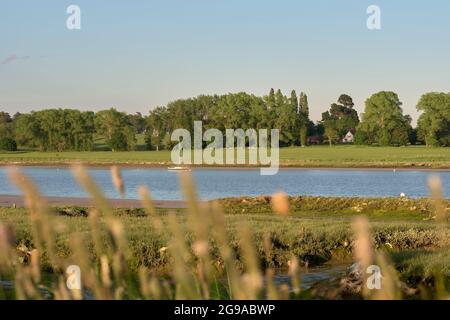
(331, 133)
(114, 126)
(271, 114)
(361, 137)
(258, 114)
(434, 122)
(383, 121)
(55, 130)
(137, 121)
(118, 141)
(286, 114)
(156, 128)
(28, 132)
(303, 118)
(271, 103)
(294, 101)
(346, 101)
(228, 111)
(108, 122)
(5, 117)
(167, 142)
(340, 119)
(6, 126)
(79, 130)
(7, 144)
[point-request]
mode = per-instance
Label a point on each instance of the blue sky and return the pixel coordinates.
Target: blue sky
(135, 55)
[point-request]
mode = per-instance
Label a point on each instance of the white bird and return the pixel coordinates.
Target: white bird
(402, 195)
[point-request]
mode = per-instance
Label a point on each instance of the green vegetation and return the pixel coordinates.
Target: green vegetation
(317, 231)
(316, 156)
(340, 119)
(382, 123)
(55, 130)
(304, 122)
(117, 129)
(434, 123)
(7, 144)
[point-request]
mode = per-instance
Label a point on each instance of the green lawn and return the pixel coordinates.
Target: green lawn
(316, 156)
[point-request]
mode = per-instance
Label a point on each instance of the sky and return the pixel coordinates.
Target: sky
(136, 55)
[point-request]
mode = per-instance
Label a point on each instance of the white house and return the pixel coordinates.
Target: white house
(348, 138)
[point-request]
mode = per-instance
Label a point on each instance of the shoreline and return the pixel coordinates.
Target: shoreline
(18, 201)
(226, 167)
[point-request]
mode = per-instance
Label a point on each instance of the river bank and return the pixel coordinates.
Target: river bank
(159, 166)
(18, 201)
(343, 205)
(292, 157)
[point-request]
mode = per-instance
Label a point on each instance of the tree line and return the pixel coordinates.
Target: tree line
(382, 123)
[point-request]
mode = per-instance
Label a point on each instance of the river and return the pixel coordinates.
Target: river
(217, 183)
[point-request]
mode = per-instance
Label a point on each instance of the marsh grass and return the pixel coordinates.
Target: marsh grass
(201, 253)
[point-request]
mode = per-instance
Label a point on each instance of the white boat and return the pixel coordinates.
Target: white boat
(178, 169)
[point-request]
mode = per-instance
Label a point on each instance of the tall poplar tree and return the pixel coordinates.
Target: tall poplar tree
(303, 115)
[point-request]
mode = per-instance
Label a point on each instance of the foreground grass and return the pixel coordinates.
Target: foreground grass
(315, 156)
(317, 231)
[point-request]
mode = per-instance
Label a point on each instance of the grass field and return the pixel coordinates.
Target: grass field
(316, 156)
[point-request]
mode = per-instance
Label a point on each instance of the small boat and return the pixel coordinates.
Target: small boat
(178, 169)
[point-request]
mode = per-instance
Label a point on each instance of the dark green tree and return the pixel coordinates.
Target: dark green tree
(7, 144)
(118, 141)
(340, 119)
(112, 122)
(303, 119)
(434, 122)
(383, 121)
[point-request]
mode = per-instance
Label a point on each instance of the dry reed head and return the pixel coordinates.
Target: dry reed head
(149, 206)
(105, 271)
(280, 203)
(294, 273)
(252, 278)
(390, 284)
(7, 242)
(117, 180)
(43, 224)
(83, 178)
(200, 248)
(363, 249)
(435, 186)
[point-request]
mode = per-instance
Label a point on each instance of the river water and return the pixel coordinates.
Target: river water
(216, 183)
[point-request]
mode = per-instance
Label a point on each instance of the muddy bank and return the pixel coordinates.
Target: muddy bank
(282, 166)
(18, 201)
